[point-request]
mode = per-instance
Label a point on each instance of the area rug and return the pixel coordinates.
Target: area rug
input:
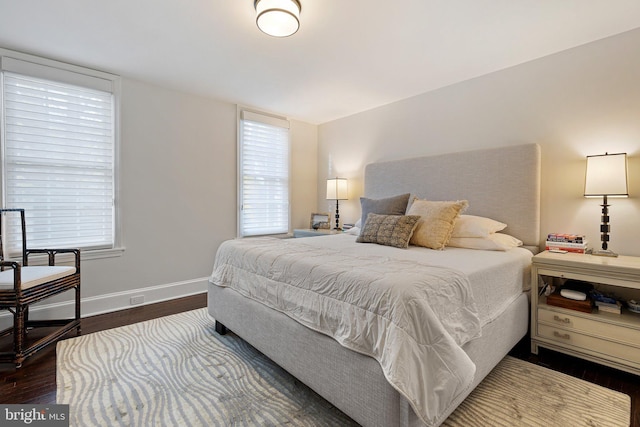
(177, 370)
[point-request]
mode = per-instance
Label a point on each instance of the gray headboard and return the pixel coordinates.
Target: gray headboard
(499, 183)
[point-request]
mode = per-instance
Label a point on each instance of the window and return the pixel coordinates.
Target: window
(58, 142)
(263, 175)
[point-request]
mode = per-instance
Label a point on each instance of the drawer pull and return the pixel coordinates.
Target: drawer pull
(560, 319)
(559, 335)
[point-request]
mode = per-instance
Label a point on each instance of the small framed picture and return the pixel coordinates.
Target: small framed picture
(320, 220)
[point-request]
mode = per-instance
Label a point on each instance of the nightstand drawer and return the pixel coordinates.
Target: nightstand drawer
(592, 326)
(591, 344)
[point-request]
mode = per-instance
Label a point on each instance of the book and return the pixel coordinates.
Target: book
(562, 248)
(608, 304)
(558, 300)
(564, 237)
(579, 248)
(567, 244)
(609, 308)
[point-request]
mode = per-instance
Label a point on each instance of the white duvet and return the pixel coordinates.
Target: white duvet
(411, 317)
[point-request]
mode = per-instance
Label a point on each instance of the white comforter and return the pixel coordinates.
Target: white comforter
(411, 317)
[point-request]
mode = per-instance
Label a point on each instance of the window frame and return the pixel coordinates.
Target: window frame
(60, 69)
(266, 118)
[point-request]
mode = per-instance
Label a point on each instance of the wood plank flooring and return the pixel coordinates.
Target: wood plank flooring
(35, 382)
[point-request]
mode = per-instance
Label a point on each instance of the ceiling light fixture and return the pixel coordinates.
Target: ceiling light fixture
(278, 18)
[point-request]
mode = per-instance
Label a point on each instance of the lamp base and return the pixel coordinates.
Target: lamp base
(603, 252)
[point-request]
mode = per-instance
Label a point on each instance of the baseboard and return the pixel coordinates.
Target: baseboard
(108, 303)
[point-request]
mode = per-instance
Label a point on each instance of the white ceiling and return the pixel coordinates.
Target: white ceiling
(347, 57)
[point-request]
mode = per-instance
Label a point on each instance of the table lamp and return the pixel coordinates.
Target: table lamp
(337, 190)
(606, 176)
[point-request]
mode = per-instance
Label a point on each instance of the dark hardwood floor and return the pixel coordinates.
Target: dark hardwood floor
(35, 382)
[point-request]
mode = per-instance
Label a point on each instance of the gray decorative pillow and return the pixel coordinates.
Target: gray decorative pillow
(388, 230)
(396, 205)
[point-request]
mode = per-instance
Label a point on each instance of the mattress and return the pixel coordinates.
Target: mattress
(497, 277)
(262, 271)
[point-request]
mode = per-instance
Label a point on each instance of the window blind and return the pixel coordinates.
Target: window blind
(58, 162)
(264, 175)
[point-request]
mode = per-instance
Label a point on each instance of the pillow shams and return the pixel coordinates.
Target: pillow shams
(437, 221)
(388, 230)
(493, 242)
(396, 205)
(476, 226)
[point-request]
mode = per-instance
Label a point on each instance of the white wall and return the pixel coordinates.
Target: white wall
(575, 103)
(304, 172)
(178, 197)
(178, 160)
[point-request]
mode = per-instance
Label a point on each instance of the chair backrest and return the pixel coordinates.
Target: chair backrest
(3, 236)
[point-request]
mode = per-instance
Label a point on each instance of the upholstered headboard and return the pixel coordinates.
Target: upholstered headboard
(499, 183)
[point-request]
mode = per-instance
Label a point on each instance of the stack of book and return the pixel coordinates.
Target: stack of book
(607, 307)
(606, 303)
(576, 243)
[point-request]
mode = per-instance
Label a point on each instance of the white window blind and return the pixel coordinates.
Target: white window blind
(264, 175)
(58, 158)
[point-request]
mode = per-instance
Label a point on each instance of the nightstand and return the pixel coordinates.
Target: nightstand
(606, 338)
(310, 232)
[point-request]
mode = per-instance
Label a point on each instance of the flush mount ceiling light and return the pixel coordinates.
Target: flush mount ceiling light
(278, 18)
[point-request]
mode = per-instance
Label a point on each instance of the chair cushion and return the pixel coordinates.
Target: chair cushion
(34, 276)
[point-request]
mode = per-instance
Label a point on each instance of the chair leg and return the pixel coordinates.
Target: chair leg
(79, 329)
(26, 320)
(18, 335)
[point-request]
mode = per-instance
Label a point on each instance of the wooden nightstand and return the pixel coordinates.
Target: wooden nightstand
(606, 338)
(310, 232)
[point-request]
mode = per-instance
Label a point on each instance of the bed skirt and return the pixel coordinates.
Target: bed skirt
(352, 382)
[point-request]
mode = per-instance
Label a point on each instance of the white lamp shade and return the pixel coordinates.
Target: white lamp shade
(337, 189)
(606, 175)
(278, 18)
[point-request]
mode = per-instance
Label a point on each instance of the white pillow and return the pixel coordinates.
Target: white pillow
(493, 242)
(354, 231)
(476, 226)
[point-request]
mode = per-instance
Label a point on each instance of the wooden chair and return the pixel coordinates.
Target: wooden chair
(22, 285)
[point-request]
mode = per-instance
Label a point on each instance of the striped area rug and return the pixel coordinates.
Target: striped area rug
(177, 371)
(519, 393)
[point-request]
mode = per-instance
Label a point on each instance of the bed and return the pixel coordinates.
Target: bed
(502, 184)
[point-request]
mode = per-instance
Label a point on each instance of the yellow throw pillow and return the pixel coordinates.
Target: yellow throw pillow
(436, 223)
